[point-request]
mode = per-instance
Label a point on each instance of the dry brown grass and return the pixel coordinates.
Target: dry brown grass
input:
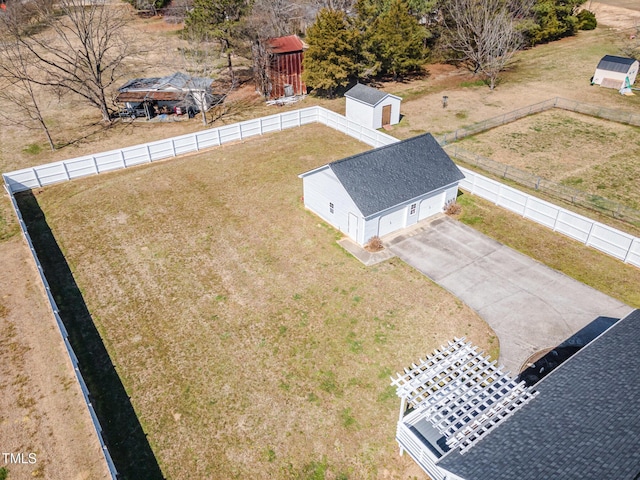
(593, 155)
(41, 406)
(251, 344)
(561, 68)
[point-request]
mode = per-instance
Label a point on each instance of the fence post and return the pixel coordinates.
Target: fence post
(124, 163)
(149, 153)
(35, 174)
(173, 147)
(626, 255)
(555, 222)
(219, 139)
(66, 170)
(586, 242)
(195, 139)
(95, 164)
(299, 118)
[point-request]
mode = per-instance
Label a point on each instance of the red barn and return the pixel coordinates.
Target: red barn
(284, 70)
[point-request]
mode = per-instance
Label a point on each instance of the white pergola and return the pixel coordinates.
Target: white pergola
(460, 392)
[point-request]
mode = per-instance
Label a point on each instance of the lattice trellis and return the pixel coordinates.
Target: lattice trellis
(460, 392)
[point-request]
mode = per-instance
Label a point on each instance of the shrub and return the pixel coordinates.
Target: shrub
(586, 20)
(374, 244)
(452, 208)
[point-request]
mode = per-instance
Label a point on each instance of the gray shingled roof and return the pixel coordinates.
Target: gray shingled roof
(176, 80)
(370, 96)
(583, 425)
(388, 176)
(611, 63)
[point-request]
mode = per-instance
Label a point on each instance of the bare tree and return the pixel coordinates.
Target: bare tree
(199, 60)
(486, 33)
(16, 88)
(341, 5)
(273, 18)
(80, 47)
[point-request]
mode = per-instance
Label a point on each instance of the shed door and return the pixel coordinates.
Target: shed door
(353, 227)
(432, 205)
(386, 115)
(391, 222)
(412, 213)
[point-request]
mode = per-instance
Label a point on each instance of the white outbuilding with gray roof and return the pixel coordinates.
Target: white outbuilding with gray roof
(381, 191)
(372, 107)
(616, 72)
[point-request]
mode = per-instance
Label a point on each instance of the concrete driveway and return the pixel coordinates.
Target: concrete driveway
(528, 305)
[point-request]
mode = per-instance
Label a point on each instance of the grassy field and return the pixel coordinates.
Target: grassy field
(561, 68)
(593, 155)
(251, 344)
(213, 321)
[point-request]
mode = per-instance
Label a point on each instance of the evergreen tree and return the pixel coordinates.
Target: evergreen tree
(368, 64)
(553, 19)
(399, 40)
(330, 60)
(219, 20)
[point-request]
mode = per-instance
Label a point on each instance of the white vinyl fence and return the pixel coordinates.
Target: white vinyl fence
(66, 170)
(597, 235)
(39, 176)
(602, 237)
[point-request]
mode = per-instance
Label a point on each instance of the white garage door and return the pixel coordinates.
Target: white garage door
(430, 206)
(391, 222)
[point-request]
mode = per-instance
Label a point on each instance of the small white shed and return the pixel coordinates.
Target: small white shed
(615, 72)
(383, 190)
(371, 107)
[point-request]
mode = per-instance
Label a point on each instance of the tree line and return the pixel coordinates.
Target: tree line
(79, 47)
(365, 39)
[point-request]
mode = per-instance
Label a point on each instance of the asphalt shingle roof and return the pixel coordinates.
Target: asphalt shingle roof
(612, 63)
(584, 424)
(388, 176)
(176, 80)
(370, 96)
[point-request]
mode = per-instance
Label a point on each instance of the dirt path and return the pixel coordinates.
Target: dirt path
(628, 4)
(617, 14)
(41, 407)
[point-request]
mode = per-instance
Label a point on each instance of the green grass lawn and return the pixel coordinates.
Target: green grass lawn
(250, 343)
(589, 266)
